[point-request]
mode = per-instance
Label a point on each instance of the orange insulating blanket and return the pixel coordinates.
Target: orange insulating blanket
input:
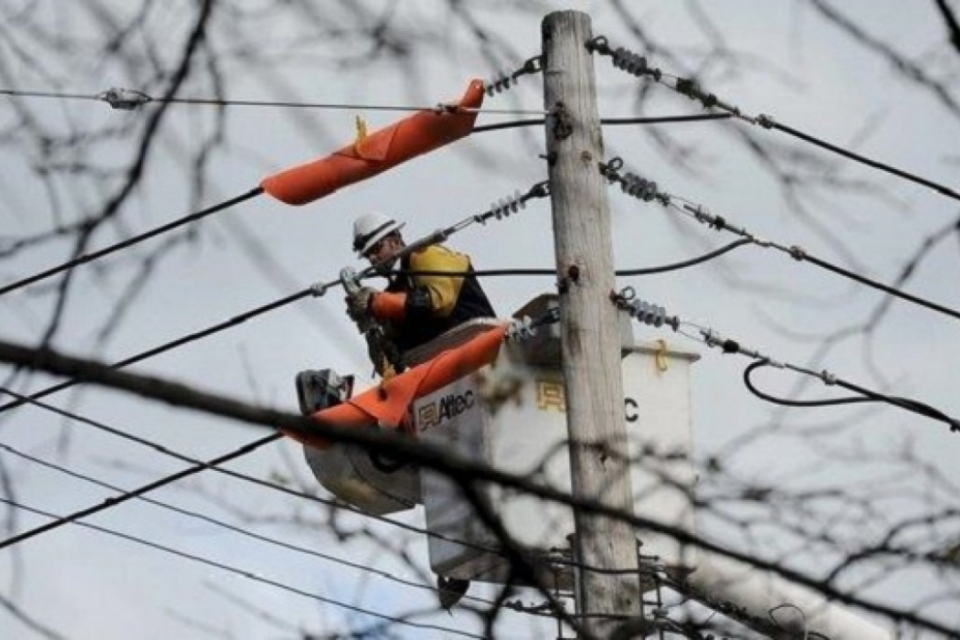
(388, 403)
(377, 152)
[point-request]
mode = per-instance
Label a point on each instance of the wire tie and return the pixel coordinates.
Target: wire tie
(765, 121)
(828, 378)
(797, 253)
(124, 99)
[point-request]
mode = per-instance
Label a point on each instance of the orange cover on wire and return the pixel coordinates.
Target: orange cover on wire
(377, 152)
(388, 403)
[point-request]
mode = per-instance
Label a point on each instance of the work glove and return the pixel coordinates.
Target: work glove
(358, 305)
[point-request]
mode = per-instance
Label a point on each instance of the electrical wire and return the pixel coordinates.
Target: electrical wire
(637, 65)
(656, 315)
(334, 504)
(193, 337)
(647, 190)
(606, 121)
(90, 257)
(235, 529)
(114, 501)
(130, 99)
(643, 271)
(866, 395)
(250, 575)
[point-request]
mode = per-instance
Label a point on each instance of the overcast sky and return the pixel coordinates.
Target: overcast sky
(796, 68)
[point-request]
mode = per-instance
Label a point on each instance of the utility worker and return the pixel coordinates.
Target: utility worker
(414, 309)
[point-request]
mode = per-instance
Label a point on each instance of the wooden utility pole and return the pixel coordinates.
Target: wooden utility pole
(590, 333)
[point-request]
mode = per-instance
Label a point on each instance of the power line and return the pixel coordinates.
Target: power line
(642, 271)
(499, 210)
(342, 506)
(230, 527)
(656, 315)
(242, 572)
(110, 503)
(636, 65)
(425, 454)
(648, 191)
(607, 121)
(130, 99)
(90, 257)
(198, 335)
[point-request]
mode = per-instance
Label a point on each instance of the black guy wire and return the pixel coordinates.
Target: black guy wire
(242, 572)
(637, 65)
(232, 322)
(647, 190)
(109, 503)
(225, 525)
(606, 121)
(90, 257)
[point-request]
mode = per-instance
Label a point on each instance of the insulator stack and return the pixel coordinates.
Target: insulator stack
(634, 64)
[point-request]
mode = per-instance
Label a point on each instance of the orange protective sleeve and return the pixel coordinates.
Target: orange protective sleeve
(379, 151)
(387, 305)
(387, 404)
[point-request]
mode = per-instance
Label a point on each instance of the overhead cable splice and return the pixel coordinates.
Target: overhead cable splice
(656, 315)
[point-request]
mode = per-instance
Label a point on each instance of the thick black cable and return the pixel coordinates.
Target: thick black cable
(950, 193)
(606, 121)
(480, 273)
(109, 503)
(242, 572)
(898, 293)
(90, 257)
(748, 382)
(232, 322)
(676, 266)
(866, 395)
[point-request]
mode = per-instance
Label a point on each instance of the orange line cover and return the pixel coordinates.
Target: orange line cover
(387, 404)
(381, 150)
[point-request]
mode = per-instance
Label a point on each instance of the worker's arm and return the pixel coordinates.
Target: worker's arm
(434, 294)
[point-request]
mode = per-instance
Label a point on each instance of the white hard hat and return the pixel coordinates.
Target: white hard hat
(370, 228)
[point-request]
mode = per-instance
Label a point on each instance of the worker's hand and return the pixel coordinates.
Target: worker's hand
(358, 304)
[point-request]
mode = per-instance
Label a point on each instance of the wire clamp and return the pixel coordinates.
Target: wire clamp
(319, 289)
(124, 99)
(521, 329)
